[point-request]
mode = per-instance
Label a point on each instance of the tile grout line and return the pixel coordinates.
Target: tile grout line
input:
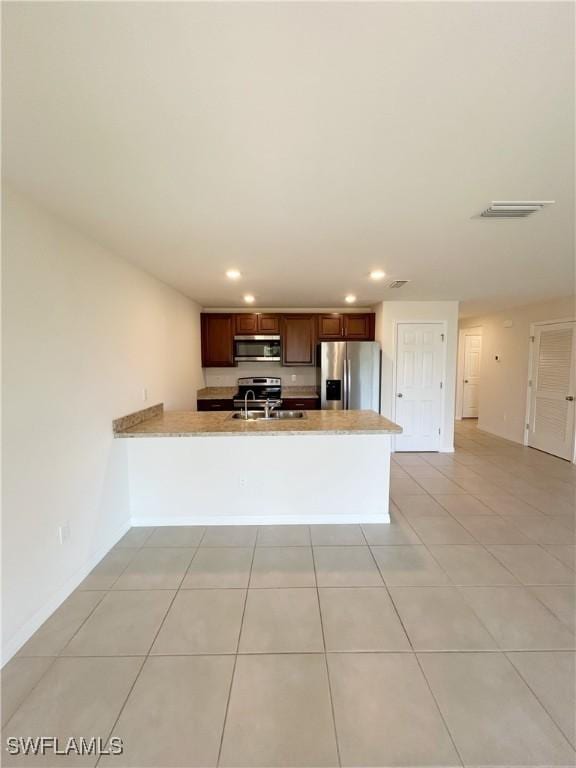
(506, 568)
(414, 654)
(533, 542)
(59, 654)
(224, 721)
(36, 684)
(146, 656)
(527, 684)
(431, 651)
(327, 666)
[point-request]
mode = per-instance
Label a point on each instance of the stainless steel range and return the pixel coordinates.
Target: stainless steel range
(256, 392)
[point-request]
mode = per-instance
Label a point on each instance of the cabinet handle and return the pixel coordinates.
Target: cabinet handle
(570, 398)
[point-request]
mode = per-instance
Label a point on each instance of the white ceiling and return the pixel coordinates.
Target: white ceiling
(303, 143)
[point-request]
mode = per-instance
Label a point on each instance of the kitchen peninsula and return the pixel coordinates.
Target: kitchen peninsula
(188, 467)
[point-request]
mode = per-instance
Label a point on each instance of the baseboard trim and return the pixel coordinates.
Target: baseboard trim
(138, 522)
(12, 646)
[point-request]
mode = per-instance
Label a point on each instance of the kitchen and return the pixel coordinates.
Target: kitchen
(335, 414)
(268, 345)
(241, 524)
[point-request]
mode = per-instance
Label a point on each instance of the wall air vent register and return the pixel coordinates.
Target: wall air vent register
(519, 209)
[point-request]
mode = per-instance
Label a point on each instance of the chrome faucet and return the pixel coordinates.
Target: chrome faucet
(246, 402)
(269, 406)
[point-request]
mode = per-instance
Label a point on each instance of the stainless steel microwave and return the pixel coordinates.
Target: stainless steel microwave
(257, 349)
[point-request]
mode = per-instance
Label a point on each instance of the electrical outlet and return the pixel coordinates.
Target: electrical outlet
(293, 377)
(64, 532)
(243, 482)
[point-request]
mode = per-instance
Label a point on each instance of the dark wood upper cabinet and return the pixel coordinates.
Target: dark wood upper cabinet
(359, 327)
(351, 327)
(299, 333)
(268, 323)
(245, 323)
(251, 323)
(217, 340)
(330, 326)
(298, 339)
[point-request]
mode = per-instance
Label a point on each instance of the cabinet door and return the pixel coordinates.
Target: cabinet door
(359, 327)
(330, 326)
(298, 340)
(217, 340)
(246, 324)
(300, 403)
(268, 324)
(215, 405)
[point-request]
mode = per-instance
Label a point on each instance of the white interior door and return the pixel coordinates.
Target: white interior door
(419, 363)
(551, 424)
(472, 357)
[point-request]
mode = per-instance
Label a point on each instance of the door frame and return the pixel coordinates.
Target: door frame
(475, 330)
(533, 326)
(442, 324)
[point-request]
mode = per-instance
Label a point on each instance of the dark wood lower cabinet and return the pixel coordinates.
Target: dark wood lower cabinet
(300, 403)
(215, 405)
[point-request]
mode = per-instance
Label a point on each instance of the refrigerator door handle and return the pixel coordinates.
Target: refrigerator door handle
(345, 385)
(349, 385)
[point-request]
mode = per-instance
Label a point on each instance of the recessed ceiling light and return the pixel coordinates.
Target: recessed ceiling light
(350, 299)
(233, 274)
(249, 299)
(377, 274)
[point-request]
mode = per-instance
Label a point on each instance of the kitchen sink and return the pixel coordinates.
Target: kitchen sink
(273, 416)
(287, 415)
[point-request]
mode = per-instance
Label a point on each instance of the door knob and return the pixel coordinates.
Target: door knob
(570, 398)
(399, 394)
(465, 381)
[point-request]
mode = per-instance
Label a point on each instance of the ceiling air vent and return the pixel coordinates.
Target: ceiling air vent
(398, 283)
(514, 209)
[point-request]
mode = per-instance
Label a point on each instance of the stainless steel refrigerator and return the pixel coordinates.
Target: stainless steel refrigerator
(350, 375)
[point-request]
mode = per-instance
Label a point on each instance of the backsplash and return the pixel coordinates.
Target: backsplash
(228, 377)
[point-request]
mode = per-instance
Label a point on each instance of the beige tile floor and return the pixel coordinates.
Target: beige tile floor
(443, 639)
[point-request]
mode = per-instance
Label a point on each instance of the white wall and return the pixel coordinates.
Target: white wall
(83, 333)
(179, 482)
(504, 384)
(388, 315)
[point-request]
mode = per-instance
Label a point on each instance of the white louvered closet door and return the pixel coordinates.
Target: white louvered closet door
(551, 426)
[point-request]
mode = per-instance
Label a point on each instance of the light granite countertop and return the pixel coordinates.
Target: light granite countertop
(216, 393)
(227, 393)
(210, 424)
(300, 392)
